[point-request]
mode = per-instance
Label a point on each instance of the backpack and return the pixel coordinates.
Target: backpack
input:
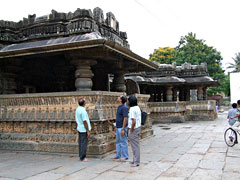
(143, 117)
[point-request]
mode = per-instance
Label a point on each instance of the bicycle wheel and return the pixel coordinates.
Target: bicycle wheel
(230, 136)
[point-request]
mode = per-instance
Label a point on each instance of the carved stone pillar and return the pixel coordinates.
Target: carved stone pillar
(205, 93)
(118, 81)
(9, 76)
(200, 93)
(175, 90)
(169, 93)
(83, 74)
(187, 94)
(181, 94)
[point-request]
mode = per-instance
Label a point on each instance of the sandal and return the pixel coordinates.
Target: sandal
(134, 165)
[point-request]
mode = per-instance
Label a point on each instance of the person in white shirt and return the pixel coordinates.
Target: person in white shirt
(134, 125)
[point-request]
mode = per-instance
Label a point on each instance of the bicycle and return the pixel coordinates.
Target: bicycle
(230, 136)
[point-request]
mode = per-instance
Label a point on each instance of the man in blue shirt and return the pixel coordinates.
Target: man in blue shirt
(83, 127)
(121, 130)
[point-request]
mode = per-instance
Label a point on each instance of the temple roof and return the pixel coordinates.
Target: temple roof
(93, 45)
(51, 42)
(170, 74)
(156, 80)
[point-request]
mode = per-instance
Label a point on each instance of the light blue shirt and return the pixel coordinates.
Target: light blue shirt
(80, 116)
(231, 113)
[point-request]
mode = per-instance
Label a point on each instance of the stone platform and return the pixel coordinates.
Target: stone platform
(178, 151)
(182, 111)
(46, 122)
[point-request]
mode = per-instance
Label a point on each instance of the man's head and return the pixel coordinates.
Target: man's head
(234, 105)
(82, 102)
(122, 99)
(132, 101)
(238, 102)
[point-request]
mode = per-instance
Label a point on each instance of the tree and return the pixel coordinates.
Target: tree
(166, 55)
(194, 51)
(236, 65)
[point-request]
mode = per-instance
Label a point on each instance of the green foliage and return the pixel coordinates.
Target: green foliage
(236, 65)
(165, 55)
(194, 51)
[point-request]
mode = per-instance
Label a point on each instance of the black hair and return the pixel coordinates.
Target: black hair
(81, 102)
(238, 102)
(132, 101)
(123, 99)
(234, 105)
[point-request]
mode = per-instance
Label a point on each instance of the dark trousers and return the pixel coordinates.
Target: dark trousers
(82, 142)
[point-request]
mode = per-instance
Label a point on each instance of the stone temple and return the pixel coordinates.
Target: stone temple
(47, 63)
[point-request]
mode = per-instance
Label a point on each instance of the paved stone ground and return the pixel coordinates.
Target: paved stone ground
(187, 151)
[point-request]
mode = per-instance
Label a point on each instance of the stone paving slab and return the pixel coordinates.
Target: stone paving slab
(182, 151)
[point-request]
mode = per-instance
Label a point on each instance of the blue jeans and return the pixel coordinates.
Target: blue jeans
(121, 144)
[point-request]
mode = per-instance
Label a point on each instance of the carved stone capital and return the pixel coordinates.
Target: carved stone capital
(118, 81)
(83, 74)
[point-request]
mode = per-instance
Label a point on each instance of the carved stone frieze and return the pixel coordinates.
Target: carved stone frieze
(46, 122)
(58, 24)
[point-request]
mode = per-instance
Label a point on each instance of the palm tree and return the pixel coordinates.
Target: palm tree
(236, 65)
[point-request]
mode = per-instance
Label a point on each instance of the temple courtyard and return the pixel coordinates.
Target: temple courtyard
(181, 151)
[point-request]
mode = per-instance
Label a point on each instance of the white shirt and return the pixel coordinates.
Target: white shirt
(134, 112)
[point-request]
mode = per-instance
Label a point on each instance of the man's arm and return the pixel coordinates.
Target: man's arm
(86, 127)
(124, 125)
(237, 115)
(133, 125)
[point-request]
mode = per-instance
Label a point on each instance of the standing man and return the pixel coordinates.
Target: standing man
(83, 127)
(121, 131)
(134, 125)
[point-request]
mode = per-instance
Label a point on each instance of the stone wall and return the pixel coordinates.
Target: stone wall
(175, 112)
(46, 122)
(200, 110)
(167, 112)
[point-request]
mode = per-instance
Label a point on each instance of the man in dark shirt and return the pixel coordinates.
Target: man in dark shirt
(121, 130)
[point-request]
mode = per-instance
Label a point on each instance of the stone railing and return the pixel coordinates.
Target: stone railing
(167, 112)
(200, 110)
(46, 122)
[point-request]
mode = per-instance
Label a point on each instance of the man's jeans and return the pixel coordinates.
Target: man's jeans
(121, 144)
(82, 142)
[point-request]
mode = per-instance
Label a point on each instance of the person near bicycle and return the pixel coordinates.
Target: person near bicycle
(237, 123)
(232, 113)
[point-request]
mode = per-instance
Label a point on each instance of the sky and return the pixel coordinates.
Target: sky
(151, 24)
